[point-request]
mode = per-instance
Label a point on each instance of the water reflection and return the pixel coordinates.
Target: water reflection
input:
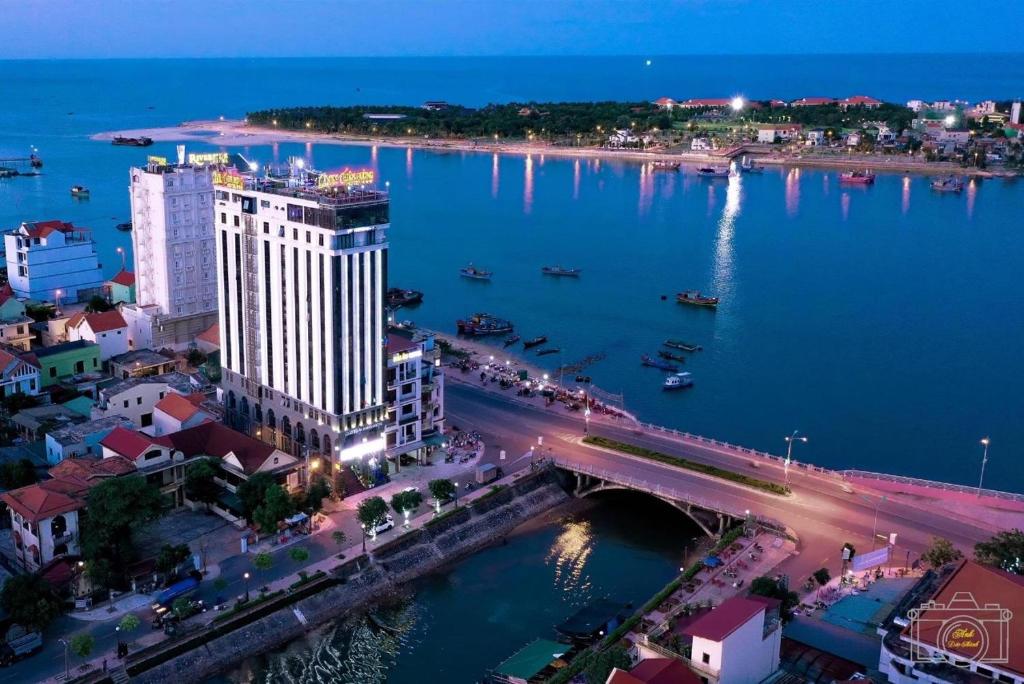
(844, 203)
(793, 192)
(373, 155)
(528, 184)
(576, 179)
(723, 277)
(495, 176)
(569, 554)
(646, 189)
(408, 162)
(905, 204)
(711, 198)
(972, 193)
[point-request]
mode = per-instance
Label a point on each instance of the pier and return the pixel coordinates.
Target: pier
(20, 166)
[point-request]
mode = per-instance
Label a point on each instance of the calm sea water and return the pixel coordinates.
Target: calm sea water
(883, 322)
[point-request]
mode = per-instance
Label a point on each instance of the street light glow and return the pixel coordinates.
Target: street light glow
(737, 103)
(950, 120)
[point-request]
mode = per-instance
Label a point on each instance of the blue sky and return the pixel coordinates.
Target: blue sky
(278, 28)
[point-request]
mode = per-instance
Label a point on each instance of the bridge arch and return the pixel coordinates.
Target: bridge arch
(698, 516)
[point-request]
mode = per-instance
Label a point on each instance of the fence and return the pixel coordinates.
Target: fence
(946, 486)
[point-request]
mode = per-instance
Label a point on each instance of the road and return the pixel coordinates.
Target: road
(822, 514)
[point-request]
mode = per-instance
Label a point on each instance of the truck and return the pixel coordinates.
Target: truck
(166, 598)
(19, 642)
(486, 473)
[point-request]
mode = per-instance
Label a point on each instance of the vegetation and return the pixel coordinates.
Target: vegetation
(318, 490)
(306, 578)
(714, 471)
(821, 576)
(195, 358)
(494, 489)
(406, 501)
(18, 401)
(253, 491)
(372, 512)
(200, 484)
(262, 561)
(299, 554)
(896, 117)
(129, 623)
(170, 557)
(82, 644)
(940, 552)
(767, 586)
(441, 490)
(276, 506)
(40, 312)
(14, 474)
(251, 603)
(117, 509)
(339, 538)
(30, 601)
(98, 304)
(600, 666)
(1004, 551)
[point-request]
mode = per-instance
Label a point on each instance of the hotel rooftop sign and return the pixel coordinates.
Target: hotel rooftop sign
(208, 159)
(345, 178)
(228, 179)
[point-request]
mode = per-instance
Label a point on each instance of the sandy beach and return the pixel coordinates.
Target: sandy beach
(236, 132)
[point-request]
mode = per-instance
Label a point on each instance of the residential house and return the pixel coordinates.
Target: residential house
(916, 105)
(664, 103)
(415, 396)
(64, 361)
(15, 326)
(136, 398)
(177, 412)
(81, 439)
(107, 329)
(140, 363)
(33, 423)
(955, 136)
(815, 137)
(121, 288)
(853, 139)
(46, 517)
(860, 101)
(773, 133)
(18, 375)
(53, 260)
(738, 642)
(208, 341)
(812, 102)
(709, 102)
(701, 144)
(654, 671)
(775, 104)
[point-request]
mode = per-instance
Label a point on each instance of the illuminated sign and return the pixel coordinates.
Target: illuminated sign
(208, 159)
(402, 357)
(159, 161)
(345, 177)
(228, 179)
(364, 449)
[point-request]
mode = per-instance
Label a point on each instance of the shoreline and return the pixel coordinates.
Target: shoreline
(237, 133)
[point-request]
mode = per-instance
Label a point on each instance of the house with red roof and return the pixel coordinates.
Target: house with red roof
(176, 412)
(45, 517)
(14, 323)
(107, 329)
(53, 260)
(860, 101)
(654, 671)
(701, 102)
(664, 103)
(813, 102)
(121, 288)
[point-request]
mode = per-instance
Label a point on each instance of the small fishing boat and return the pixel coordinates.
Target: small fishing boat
(559, 271)
(671, 356)
(474, 273)
(398, 297)
(949, 184)
(748, 167)
(35, 161)
(657, 363)
(695, 298)
(857, 177)
(712, 172)
(141, 141)
(511, 339)
(124, 227)
(551, 350)
(79, 191)
(536, 341)
(483, 324)
(685, 346)
(678, 381)
(664, 165)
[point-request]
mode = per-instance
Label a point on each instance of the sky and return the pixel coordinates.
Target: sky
(82, 29)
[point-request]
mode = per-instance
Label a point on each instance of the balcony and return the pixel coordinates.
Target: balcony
(65, 538)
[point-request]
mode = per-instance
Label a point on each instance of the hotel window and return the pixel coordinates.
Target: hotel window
(223, 217)
(235, 219)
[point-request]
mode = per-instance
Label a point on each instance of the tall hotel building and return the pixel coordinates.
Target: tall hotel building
(301, 277)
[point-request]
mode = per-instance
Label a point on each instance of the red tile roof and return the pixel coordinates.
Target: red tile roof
(123, 277)
(180, 408)
(813, 101)
(40, 501)
(217, 439)
(70, 481)
(861, 100)
(99, 322)
(725, 619)
(211, 334)
(127, 443)
(398, 344)
(40, 229)
(664, 102)
(655, 671)
(707, 102)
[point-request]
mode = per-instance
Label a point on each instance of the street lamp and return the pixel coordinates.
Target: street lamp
(456, 494)
(245, 576)
(120, 250)
(67, 665)
(363, 525)
(984, 459)
(789, 449)
(874, 528)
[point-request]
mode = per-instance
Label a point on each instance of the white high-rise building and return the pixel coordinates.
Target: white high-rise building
(173, 251)
(302, 272)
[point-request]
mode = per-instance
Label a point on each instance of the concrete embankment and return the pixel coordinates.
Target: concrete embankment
(364, 580)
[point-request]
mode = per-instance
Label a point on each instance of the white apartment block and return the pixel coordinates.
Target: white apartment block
(173, 251)
(51, 260)
(415, 396)
(302, 272)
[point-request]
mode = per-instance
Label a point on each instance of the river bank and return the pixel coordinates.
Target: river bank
(236, 132)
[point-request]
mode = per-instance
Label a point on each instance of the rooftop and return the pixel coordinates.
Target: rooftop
(655, 671)
(179, 382)
(141, 357)
(530, 660)
(76, 433)
(65, 491)
(62, 348)
(99, 322)
(33, 418)
(725, 619)
(123, 277)
(180, 407)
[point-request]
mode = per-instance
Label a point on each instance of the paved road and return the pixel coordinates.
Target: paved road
(821, 513)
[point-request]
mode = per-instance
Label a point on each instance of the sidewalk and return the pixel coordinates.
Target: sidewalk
(124, 604)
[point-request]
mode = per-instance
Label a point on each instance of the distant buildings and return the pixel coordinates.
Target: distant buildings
(17, 375)
(813, 102)
(14, 324)
(53, 260)
(121, 288)
(772, 133)
(81, 439)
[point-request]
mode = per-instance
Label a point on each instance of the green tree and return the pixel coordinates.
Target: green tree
(170, 557)
(602, 663)
(30, 601)
(318, 490)
(98, 305)
(195, 358)
(82, 644)
(372, 512)
(767, 586)
(275, 507)
(199, 480)
(339, 538)
(822, 576)
(940, 552)
(117, 509)
(253, 491)
(406, 501)
(441, 490)
(1005, 551)
(182, 607)
(262, 561)
(20, 473)
(220, 584)
(129, 623)
(299, 554)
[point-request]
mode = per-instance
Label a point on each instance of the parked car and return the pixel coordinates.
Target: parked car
(384, 526)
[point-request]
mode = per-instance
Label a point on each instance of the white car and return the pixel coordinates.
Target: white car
(384, 526)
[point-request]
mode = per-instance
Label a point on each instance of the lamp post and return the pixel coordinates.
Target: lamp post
(363, 526)
(984, 459)
(456, 494)
(245, 576)
(120, 250)
(67, 664)
(789, 449)
(57, 294)
(874, 528)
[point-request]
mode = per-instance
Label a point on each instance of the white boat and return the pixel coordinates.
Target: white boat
(678, 381)
(474, 273)
(950, 184)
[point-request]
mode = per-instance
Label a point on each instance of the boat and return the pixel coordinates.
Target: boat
(559, 271)
(545, 352)
(949, 184)
(712, 172)
(536, 341)
(658, 363)
(398, 297)
(857, 177)
(695, 298)
(664, 165)
(685, 346)
(511, 339)
(483, 324)
(474, 273)
(35, 161)
(678, 381)
(124, 227)
(747, 167)
(79, 191)
(671, 356)
(141, 141)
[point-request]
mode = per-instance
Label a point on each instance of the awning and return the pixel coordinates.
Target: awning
(712, 561)
(297, 518)
(531, 659)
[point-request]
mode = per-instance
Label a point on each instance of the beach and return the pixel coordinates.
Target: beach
(236, 132)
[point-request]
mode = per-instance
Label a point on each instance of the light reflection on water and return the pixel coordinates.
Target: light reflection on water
(569, 556)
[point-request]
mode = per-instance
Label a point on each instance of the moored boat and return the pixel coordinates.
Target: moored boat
(685, 346)
(857, 177)
(475, 273)
(550, 350)
(398, 297)
(695, 298)
(712, 172)
(657, 363)
(678, 381)
(665, 165)
(79, 191)
(124, 227)
(748, 167)
(483, 324)
(671, 356)
(948, 184)
(560, 271)
(511, 339)
(536, 341)
(141, 141)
